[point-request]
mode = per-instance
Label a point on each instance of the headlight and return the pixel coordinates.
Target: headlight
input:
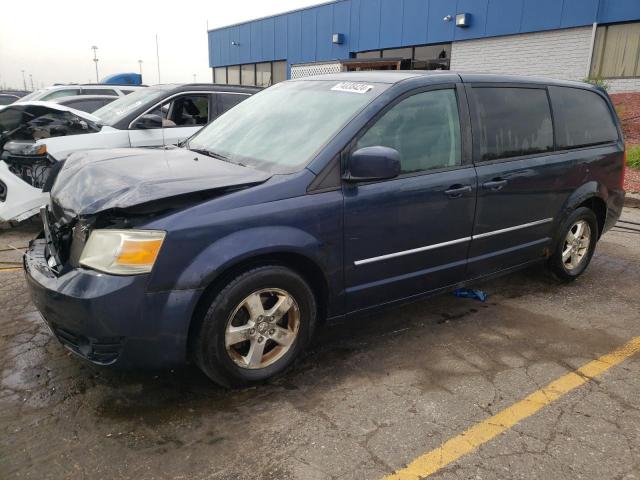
(122, 252)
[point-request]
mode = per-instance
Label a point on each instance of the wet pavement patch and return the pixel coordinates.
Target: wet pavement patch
(370, 396)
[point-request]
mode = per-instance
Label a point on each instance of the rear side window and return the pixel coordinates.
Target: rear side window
(99, 91)
(582, 118)
(511, 122)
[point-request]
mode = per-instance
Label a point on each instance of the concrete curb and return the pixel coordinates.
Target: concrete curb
(632, 200)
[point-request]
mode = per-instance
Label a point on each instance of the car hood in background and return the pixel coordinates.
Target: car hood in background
(94, 181)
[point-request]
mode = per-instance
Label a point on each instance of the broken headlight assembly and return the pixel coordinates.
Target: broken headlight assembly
(122, 252)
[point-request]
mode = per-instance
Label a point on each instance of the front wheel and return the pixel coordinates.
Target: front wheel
(255, 327)
(578, 238)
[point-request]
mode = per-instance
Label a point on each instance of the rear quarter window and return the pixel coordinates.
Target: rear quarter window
(511, 122)
(582, 118)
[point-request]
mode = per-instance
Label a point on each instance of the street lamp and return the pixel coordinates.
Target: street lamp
(95, 59)
(24, 81)
(140, 63)
(31, 80)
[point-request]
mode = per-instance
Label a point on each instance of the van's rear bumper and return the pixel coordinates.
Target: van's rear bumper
(111, 320)
(615, 204)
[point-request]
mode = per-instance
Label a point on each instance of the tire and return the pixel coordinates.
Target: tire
(572, 256)
(243, 325)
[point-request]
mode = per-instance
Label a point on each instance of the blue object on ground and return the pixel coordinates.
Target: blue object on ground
(468, 293)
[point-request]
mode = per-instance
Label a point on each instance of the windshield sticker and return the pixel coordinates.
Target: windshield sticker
(352, 87)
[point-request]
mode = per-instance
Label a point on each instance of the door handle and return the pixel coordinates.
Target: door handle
(495, 184)
(455, 191)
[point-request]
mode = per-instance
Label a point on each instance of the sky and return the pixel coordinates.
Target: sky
(51, 40)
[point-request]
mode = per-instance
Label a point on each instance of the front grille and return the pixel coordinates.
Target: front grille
(103, 351)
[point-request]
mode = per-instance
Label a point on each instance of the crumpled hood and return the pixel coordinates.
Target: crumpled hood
(99, 180)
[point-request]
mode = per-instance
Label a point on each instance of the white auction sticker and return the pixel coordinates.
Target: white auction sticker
(352, 87)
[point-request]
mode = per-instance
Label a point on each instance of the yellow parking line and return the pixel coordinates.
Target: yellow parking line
(11, 269)
(471, 439)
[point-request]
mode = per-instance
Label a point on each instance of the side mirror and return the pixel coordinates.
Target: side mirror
(148, 121)
(373, 163)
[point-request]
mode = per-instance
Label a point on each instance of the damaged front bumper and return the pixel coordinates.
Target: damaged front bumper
(108, 319)
(18, 199)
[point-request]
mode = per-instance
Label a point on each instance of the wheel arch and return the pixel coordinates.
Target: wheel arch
(306, 267)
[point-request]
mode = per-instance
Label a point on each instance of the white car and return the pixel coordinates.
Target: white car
(36, 137)
(56, 91)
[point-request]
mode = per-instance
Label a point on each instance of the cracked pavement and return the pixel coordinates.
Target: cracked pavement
(368, 397)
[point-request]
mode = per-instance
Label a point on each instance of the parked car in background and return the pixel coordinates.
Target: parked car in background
(7, 97)
(55, 91)
(320, 198)
(86, 103)
(36, 136)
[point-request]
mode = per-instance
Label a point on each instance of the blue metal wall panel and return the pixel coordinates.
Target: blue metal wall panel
(354, 13)
(305, 35)
(324, 26)
(245, 43)
(280, 41)
(391, 15)
(341, 22)
(309, 35)
(577, 13)
(437, 29)
(478, 9)
(503, 17)
(541, 15)
(369, 25)
(618, 10)
(415, 17)
(294, 37)
(268, 39)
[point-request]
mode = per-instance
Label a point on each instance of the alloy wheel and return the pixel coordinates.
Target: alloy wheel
(576, 245)
(262, 328)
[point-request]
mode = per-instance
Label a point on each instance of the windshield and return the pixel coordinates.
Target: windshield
(281, 129)
(115, 111)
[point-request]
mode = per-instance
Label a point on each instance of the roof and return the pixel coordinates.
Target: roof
(396, 76)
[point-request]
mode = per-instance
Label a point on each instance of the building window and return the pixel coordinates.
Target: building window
(372, 54)
(233, 75)
(616, 52)
(432, 57)
(423, 57)
(404, 53)
(248, 74)
(263, 74)
(279, 72)
(220, 75)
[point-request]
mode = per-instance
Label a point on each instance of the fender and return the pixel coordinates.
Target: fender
(579, 196)
(246, 244)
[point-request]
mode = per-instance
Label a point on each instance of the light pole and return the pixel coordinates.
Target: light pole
(24, 81)
(194, 78)
(140, 64)
(95, 59)
(31, 80)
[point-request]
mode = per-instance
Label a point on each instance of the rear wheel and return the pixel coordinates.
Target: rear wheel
(578, 238)
(256, 326)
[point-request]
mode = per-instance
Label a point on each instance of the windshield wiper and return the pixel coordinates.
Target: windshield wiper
(210, 153)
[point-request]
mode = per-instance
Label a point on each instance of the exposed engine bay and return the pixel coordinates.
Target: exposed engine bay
(20, 129)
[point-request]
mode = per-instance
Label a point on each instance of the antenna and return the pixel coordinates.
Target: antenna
(158, 57)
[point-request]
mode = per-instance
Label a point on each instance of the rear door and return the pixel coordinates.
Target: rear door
(182, 116)
(411, 234)
(522, 181)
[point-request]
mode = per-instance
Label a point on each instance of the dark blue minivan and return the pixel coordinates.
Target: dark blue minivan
(316, 199)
